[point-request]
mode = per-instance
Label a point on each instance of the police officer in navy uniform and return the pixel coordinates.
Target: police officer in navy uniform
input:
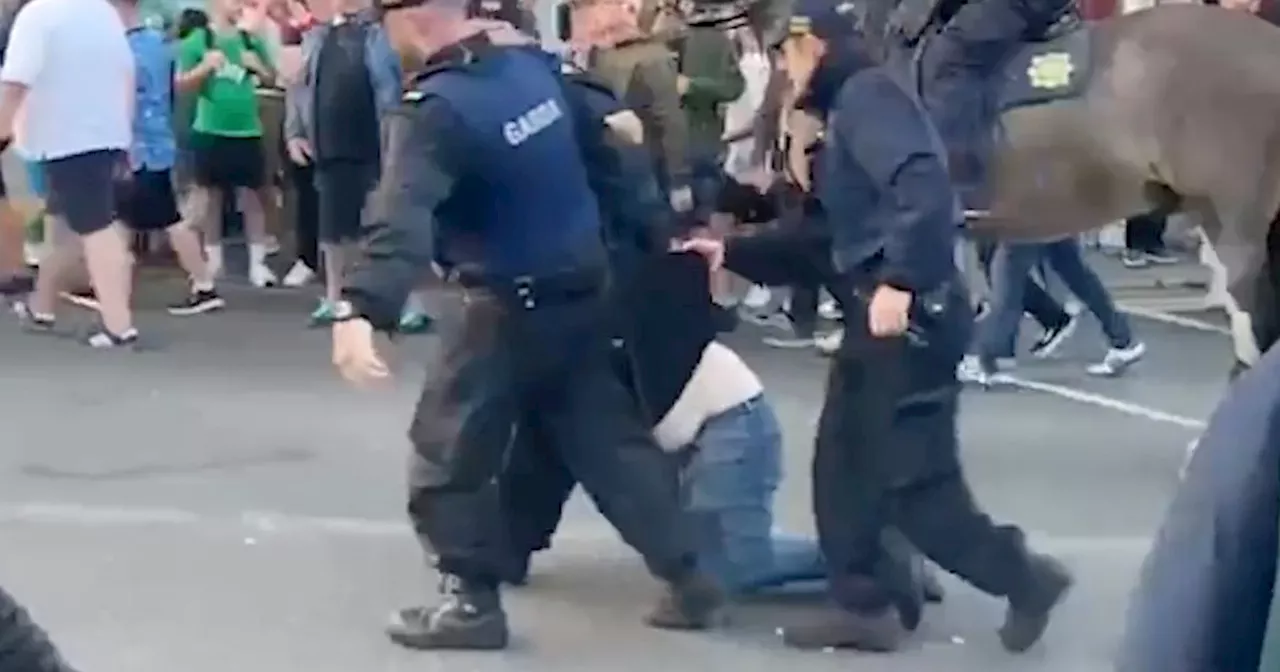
(485, 178)
(887, 450)
(959, 71)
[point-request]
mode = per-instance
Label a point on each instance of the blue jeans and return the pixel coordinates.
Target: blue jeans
(729, 485)
(1010, 269)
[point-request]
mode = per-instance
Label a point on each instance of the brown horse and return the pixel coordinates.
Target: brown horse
(1171, 108)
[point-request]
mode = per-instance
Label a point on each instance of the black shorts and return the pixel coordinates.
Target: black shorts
(82, 189)
(342, 187)
(227, 163)
(147, 201)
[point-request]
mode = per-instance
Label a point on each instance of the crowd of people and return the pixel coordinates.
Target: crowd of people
(653, 135)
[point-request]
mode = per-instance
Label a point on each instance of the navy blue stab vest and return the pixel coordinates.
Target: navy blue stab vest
(523, 206)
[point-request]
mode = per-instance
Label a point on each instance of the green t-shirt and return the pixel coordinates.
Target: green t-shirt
(227, 104)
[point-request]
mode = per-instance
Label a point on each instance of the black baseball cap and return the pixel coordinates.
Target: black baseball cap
(824, 19)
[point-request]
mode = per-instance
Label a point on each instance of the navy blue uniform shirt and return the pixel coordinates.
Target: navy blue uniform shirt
(883, 182)
(484, 169)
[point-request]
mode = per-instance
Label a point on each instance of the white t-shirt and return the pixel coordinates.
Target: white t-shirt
(74, 58)
(741, 113)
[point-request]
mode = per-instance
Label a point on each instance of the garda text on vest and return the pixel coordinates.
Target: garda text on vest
(532, 122)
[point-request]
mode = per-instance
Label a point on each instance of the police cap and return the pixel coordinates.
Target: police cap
(824, 19)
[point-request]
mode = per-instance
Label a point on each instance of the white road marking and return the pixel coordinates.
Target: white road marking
(1103, 401)
(259, 526)
(1173, 318)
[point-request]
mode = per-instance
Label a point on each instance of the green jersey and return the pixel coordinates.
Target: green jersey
(227, 102)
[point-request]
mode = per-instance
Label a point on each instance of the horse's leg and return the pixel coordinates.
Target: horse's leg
(1240, 266)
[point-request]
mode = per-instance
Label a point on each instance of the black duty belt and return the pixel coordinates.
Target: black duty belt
(529, 292)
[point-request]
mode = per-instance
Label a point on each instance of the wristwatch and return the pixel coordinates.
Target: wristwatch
(343, 311)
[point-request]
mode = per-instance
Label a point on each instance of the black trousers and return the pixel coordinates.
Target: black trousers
(887, 454)
(306, 213)
(1036, 300)
(500, 364)
(1145, 233)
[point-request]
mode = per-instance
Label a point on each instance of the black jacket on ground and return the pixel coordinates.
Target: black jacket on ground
(665, 323)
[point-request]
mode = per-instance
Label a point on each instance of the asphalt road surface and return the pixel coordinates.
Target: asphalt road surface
(224, 504)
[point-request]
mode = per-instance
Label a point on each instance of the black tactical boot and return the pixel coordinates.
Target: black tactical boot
(1027, 617)
(835, 627)
(469, 617)
(690, 603)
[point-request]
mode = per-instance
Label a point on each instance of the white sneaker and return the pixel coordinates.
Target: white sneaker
(829, 310)
(1118, 360)
(757, 297)
(828, 344)
(299, 275)
(261, 276)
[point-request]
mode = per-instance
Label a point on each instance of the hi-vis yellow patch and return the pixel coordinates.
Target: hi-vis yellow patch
(1051, 71)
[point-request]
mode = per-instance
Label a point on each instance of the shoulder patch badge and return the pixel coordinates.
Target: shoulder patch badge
(1051, 71)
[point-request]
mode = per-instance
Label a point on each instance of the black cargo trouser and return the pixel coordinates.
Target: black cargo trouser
(534, 488)
(887, 454)
(501, 363)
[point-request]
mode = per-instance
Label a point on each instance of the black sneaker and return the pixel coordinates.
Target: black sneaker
(198, 301)
(1054, 337)
(85, 298)
(103, 339)
(470, 617)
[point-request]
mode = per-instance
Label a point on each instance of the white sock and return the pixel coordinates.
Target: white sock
(257, 254)
(200, 286)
